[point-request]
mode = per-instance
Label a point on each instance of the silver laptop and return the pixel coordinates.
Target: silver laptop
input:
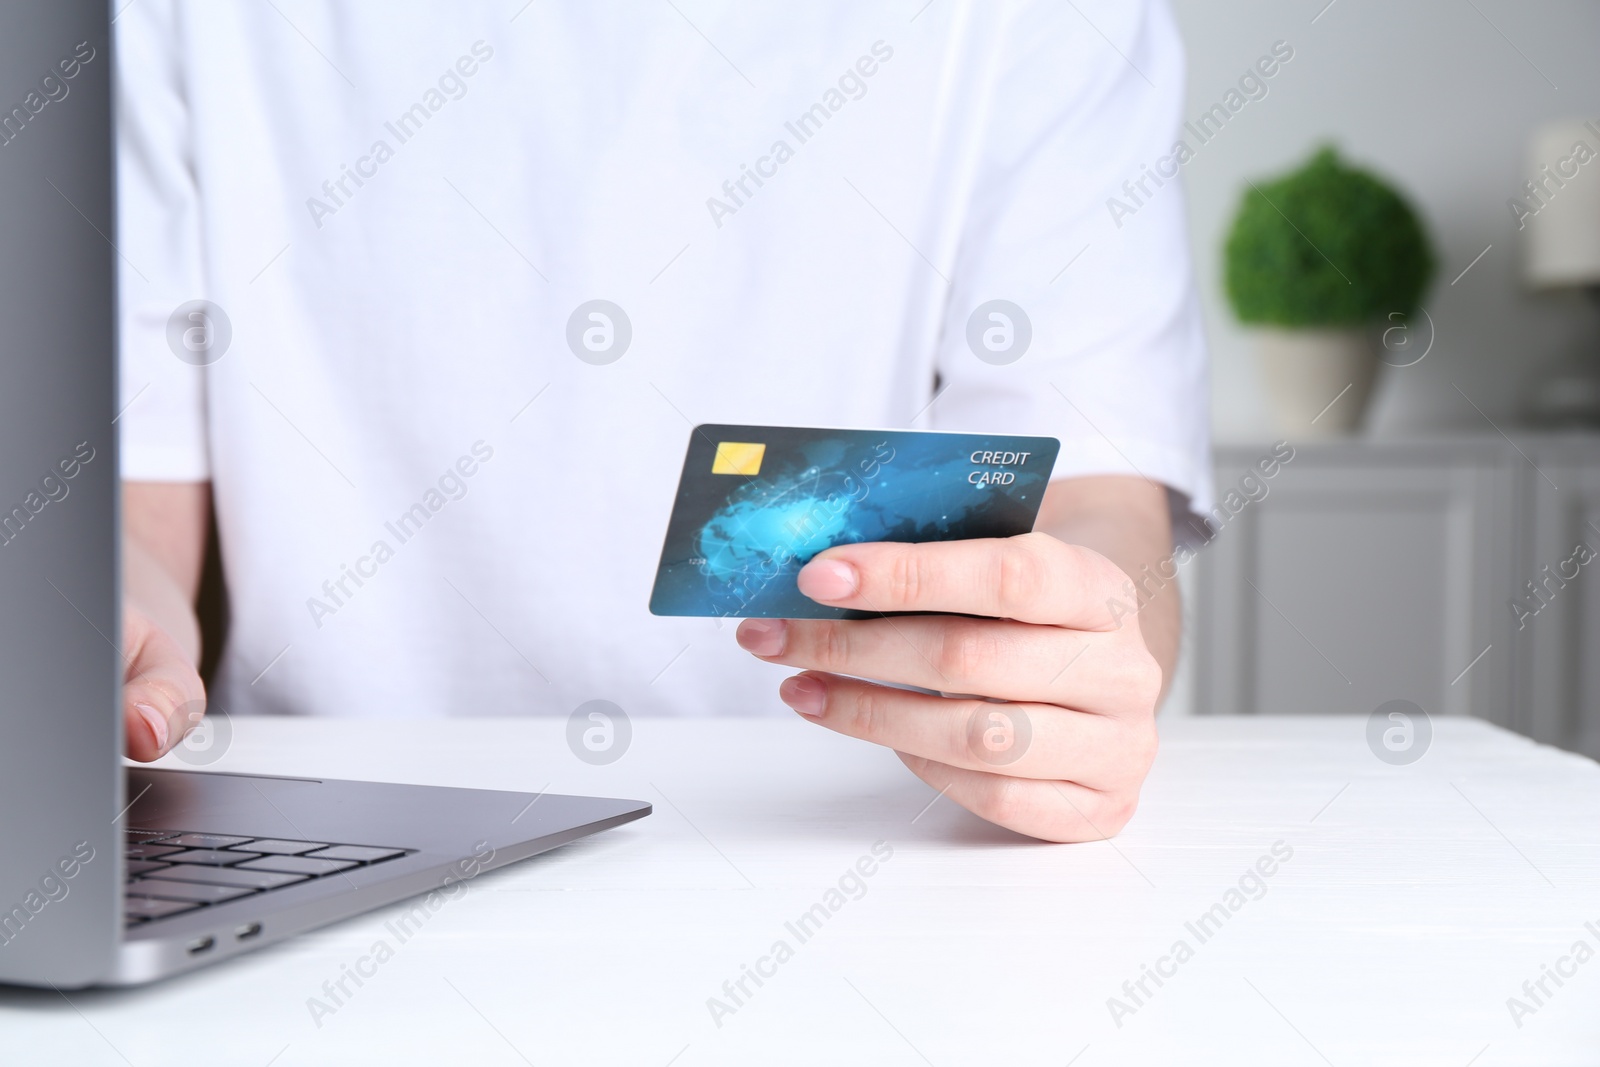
(111, 875)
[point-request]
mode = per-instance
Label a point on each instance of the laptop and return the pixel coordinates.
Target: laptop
(112, 874)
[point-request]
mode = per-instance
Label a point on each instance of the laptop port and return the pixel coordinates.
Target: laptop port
(204, 944)
(247, 931)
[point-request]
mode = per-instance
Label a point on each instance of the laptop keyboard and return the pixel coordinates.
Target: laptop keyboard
(170, 872)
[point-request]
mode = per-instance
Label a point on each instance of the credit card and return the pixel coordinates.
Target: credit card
(755, 503)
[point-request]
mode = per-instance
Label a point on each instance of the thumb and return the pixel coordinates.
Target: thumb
(163, 697)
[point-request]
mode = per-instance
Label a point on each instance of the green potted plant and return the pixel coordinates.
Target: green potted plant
(1316, 259)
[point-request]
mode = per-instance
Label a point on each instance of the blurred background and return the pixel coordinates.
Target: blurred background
(1426, 546)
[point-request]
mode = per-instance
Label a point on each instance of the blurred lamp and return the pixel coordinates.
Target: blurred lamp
(1562, 247)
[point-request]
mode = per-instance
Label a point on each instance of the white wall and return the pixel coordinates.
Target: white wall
(1429, 94)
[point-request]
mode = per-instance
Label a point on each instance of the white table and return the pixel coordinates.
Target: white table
(1417, 900)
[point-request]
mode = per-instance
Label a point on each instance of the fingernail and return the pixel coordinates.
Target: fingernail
(804, 694)
(828, 579)
(157, 723)
(763, 637)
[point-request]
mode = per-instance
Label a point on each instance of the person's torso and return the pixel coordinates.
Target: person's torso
(402, 213)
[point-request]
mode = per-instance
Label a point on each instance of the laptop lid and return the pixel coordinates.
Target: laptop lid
(61, 785)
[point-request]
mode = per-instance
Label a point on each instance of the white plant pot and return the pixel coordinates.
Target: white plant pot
(1318, 381)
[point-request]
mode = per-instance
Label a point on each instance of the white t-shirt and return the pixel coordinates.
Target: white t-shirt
(429, 504)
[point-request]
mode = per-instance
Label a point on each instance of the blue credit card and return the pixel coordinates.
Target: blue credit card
(755, 503)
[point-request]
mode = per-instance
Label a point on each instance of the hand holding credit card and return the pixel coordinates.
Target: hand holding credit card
(755, 503)
(1007, 679)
